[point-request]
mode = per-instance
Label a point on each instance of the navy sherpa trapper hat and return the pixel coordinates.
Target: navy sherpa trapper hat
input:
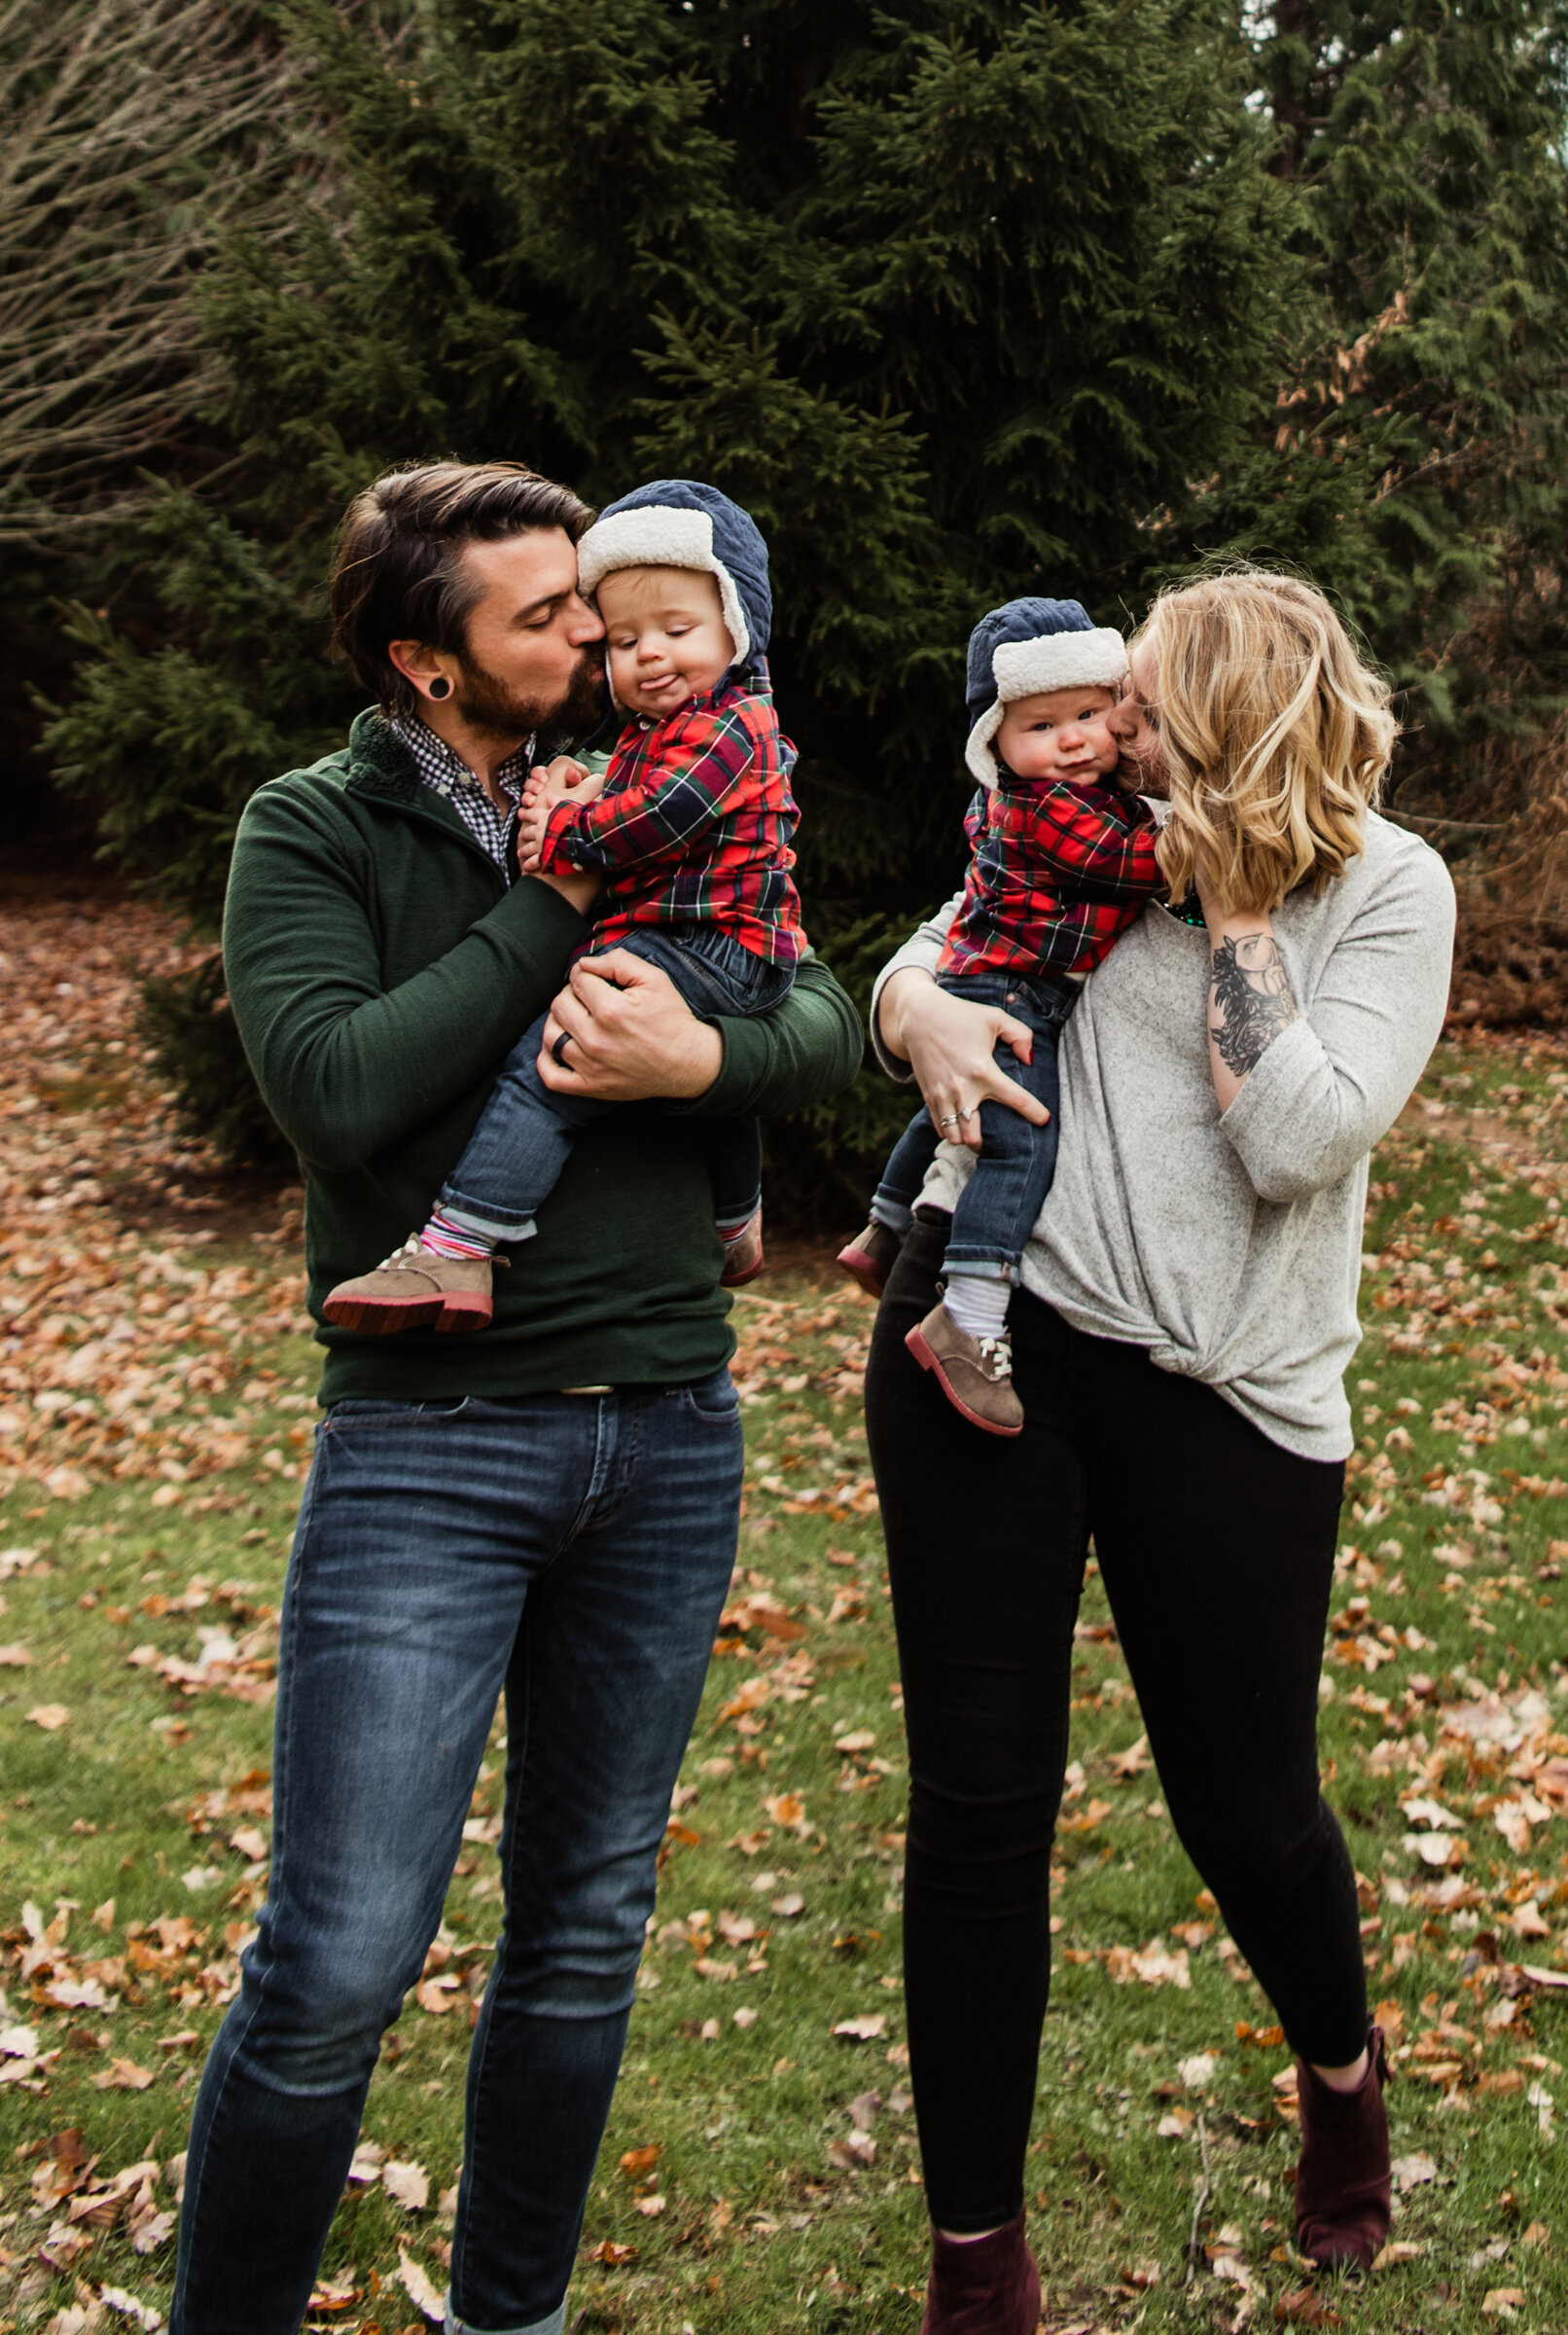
(1027, 646)
(681, 522)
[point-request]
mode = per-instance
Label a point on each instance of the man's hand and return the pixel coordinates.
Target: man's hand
(626, 1034)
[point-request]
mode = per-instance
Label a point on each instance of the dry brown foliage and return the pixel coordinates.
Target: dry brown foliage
(1511, 959)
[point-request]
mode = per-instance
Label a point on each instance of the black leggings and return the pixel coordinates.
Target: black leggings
(1216, 1548)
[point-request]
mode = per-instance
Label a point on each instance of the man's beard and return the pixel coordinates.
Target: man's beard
(489, 706)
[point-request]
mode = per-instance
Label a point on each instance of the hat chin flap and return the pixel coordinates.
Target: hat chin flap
(1022, 668)
(657, 535)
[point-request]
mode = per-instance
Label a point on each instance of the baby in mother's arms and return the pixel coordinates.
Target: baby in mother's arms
(1061, 862)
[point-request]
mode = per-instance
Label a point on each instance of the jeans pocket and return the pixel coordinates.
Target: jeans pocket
(713, 1400)
(356, 1413)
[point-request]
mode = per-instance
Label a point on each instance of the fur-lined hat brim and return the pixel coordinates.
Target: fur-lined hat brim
(1096, 659)
(658, 535)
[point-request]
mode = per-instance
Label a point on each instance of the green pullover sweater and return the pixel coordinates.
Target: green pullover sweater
(380, 970)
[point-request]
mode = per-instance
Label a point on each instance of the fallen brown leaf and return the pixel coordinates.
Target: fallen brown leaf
(123, 2075)
(422, 2291)
(1304, 2309)
(408, 2182)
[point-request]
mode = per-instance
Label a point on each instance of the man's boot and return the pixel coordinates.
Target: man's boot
(982, 2285)
(1342, 2181)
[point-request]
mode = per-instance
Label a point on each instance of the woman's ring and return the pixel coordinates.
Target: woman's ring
(558, 1049)
(951, 1120)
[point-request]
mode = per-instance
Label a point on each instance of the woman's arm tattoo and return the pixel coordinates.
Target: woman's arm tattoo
(1250, 993)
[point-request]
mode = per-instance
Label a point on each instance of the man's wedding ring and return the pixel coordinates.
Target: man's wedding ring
(558, 1049)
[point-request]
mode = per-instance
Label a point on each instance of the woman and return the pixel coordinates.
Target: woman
(1186, 1314)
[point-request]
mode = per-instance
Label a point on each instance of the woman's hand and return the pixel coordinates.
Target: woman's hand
(626, 1034)
(1249, 999)
(948, 1043)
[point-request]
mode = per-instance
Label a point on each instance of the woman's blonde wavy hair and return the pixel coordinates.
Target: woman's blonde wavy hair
(1276, 737)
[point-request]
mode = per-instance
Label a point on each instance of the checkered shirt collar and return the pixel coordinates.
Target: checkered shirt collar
(448, 775)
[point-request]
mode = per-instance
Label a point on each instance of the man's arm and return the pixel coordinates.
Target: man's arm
(627, 1035)
(803, 1051)
(348, 1066)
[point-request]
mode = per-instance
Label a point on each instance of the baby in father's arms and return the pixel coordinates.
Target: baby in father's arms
(690, 826)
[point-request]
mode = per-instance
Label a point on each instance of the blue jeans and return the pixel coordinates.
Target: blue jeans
(515, 1154)
(998, 1206)
(574, 1550)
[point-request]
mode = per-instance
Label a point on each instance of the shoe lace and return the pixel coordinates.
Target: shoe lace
(410, 1248)
(996, 1356)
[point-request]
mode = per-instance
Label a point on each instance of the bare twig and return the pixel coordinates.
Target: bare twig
(137, 131)
(1427, 818)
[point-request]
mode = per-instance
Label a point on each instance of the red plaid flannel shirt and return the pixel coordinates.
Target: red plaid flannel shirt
(1055, 875)
(693, 825)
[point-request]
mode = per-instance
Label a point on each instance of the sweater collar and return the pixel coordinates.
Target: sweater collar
(379, 764)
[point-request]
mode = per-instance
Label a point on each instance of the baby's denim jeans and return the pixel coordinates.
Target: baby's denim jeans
(515, 1154)
(999, 1204)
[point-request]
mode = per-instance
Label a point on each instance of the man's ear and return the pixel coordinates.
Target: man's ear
(431, 671)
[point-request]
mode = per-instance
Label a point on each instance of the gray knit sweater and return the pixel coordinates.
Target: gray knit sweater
(1230, 1248)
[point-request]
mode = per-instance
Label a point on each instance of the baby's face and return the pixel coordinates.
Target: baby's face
(666, 637)
(1060, 734)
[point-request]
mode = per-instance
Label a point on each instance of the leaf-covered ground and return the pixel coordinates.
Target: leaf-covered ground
(760, 2173)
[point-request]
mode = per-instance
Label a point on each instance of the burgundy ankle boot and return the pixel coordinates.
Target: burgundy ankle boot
(984, 2287)
(1342, 2181)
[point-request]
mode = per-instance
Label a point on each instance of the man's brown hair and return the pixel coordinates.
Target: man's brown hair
(398, 572)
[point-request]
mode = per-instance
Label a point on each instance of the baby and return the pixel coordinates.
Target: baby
(690, 825)
(1061, 862)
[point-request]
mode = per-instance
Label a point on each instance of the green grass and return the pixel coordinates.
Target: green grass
(778, 2212)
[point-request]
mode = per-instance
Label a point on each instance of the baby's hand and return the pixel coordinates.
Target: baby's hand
(532, 820)
(559, 781)
(558, 777)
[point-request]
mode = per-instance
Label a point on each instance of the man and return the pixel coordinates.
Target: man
(548, 1507)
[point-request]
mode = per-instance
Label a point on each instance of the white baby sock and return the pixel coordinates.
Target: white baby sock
(978, 1303)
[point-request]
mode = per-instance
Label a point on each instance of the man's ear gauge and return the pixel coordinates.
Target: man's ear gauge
(441, 687)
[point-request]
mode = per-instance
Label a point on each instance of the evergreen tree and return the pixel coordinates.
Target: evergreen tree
(952, 299)
(982, 298)
(1416, 455)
